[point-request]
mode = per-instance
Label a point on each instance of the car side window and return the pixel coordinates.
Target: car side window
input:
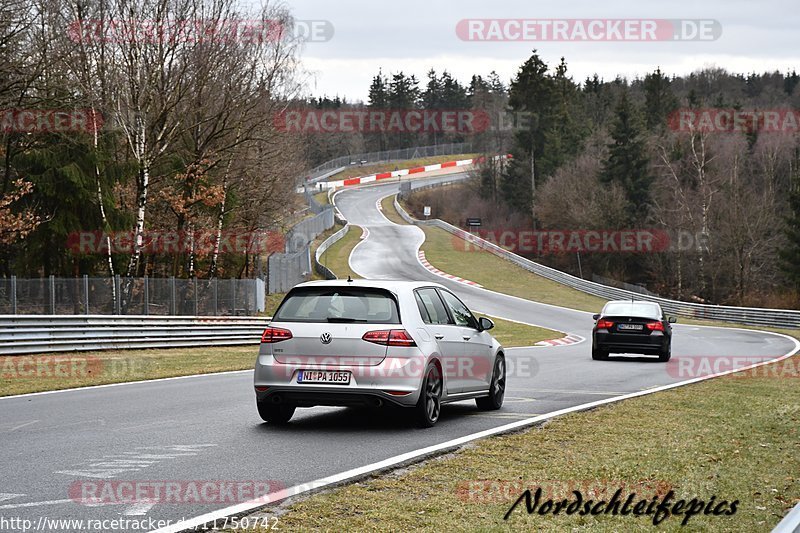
(461, 314)
(431, 307)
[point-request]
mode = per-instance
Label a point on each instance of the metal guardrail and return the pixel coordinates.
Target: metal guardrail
(790, 522)
(321, 269)
(784, 318)
(326, 169)
(29, 334)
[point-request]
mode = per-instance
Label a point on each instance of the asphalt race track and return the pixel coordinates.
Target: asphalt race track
(207, 427)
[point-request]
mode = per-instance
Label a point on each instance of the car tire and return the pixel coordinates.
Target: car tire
(599, 355)
(497, 387)
(429, 405)
(275, 413)
(664, 356)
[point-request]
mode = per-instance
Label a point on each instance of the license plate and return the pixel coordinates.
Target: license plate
(323, 376)
(631, 327)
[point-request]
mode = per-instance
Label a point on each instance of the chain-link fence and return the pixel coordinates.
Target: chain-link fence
(288, 269)
(131, 296)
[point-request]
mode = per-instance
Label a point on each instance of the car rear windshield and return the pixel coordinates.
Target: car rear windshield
(645, 310)
(339, 304)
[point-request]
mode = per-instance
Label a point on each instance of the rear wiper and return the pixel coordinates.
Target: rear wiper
(344, 319)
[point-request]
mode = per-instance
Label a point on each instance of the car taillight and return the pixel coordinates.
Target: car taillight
(272, 335)
(604, 324)
(389, 337)
(655, 326)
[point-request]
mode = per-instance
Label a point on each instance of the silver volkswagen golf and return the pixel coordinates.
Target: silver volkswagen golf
(376, 343)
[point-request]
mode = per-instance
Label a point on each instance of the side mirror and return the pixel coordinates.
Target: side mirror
(596, 316)
(672, 320)
(485, 323)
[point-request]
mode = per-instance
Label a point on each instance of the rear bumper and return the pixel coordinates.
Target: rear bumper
(311, 397)
(369, 385)
(653, 343)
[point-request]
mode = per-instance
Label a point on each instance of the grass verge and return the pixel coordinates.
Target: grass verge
(366, 170)
(83, 369)
(322, 197)
(512, 334)
(455, 256)
(337, 256)
(746, 450)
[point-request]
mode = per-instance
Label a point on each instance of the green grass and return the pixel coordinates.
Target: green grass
(322, 197)
(387, 206)
(82, 369)
(455, 256)
(356, 170)
(337, 256)
(746, 449)
(511, 334)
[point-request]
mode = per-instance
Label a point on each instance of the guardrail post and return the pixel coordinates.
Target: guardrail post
(233, 297)
(85, 294)
(195, 296)
(172, 302)
(52, 294)
(117, 291)
(13, 295)
(255, 295)
(146, 296)
(215, 283)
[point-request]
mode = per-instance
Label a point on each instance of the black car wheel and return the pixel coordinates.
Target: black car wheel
(598, 354)
(665, 355)
(429, 405)
(497, 389)
(275, 413)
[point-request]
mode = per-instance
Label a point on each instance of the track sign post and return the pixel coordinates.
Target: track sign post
(426, 211)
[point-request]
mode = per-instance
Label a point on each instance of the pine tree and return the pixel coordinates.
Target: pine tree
(532, 92)
(659, 99)
(378, 97)
(432, 95)
(627, 163)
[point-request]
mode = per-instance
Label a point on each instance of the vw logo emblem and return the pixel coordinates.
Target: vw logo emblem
(325, 338)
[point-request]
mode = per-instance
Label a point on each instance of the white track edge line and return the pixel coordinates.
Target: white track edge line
(106, 385)
(296, 490)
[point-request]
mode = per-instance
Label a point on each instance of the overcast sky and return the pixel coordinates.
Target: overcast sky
(415, 35)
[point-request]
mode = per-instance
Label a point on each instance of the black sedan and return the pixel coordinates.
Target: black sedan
(629, 326)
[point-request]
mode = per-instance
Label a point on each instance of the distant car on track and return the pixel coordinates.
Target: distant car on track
(630, 326)
(376, 343)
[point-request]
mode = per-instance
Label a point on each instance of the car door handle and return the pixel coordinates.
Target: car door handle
(439, 336)
(466, 337)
